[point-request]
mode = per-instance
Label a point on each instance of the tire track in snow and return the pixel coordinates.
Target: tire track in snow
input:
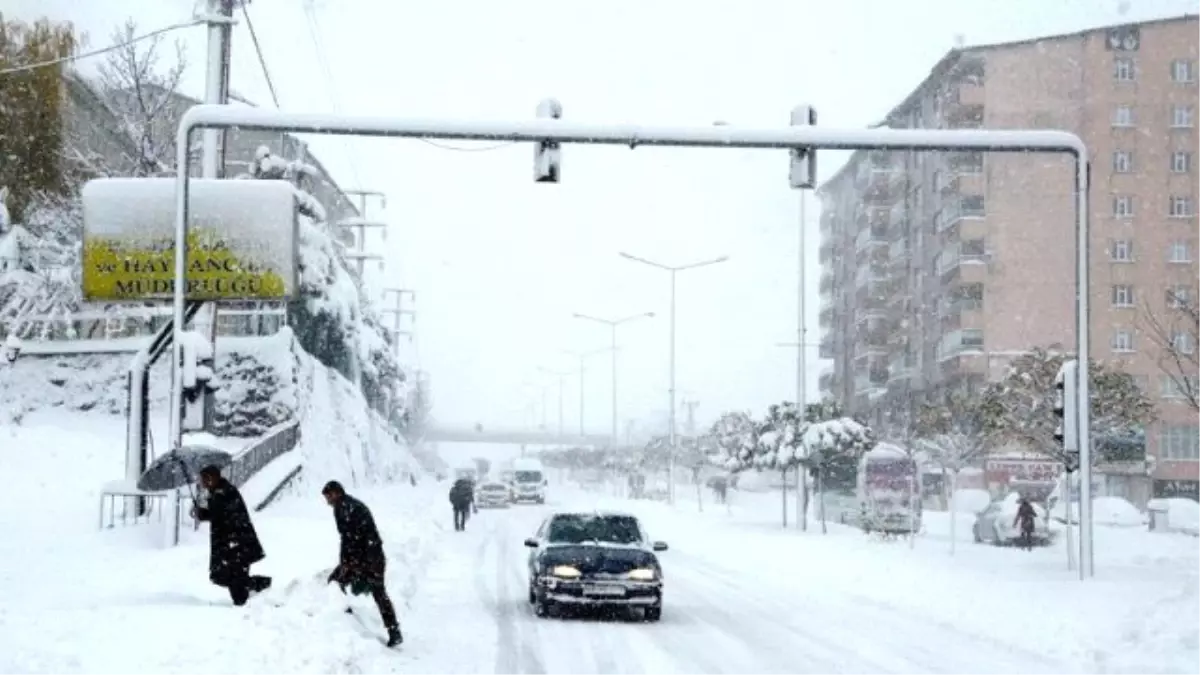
(514, 653)
(920, 651)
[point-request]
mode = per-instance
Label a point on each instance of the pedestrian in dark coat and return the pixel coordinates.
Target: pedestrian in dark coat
(1025, 519)
(233, 543)
(361, 561)
(462, 498)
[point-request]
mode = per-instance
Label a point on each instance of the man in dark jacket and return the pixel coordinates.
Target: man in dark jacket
(462, 498)
(361, 561)
(233, 543)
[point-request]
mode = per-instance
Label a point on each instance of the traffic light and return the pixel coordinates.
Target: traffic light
(547, 156)
(1067, 412)
(802, 174)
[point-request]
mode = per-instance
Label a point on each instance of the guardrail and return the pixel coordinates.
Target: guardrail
(118, 499)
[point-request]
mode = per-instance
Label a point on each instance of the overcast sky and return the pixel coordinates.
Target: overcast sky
(500, 263)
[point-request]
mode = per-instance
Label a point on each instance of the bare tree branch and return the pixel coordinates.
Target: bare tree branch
(1175, 334)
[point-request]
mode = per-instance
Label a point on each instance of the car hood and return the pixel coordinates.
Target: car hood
(599, 558)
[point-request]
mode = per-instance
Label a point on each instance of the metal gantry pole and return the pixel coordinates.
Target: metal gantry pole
(671, 450)
(801, 365)
(554, 132)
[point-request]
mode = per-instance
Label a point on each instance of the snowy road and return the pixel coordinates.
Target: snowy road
(716, 619)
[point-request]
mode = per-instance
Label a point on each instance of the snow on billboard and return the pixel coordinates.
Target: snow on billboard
(242, 239)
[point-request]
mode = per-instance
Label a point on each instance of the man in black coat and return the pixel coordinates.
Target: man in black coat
(361, 561)
(462, 498)
(233, 543)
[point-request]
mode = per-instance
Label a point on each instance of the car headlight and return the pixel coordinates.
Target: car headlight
(565, 572)
(642, 574)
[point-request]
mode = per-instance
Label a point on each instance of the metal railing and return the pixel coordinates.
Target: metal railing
(118, 501)
(279, 439)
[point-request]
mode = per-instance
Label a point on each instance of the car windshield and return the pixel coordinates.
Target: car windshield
(529, 476)
(577, 529)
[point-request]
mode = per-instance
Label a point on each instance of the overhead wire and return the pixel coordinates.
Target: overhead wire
(103, 50)
(330, 86)
(262, 61)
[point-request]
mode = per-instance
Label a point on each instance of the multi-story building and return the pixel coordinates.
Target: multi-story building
(938, 268)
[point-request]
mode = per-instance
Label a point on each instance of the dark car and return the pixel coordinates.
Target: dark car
(602, 560)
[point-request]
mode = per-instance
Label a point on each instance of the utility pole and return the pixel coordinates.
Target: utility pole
(216, 90)
(362, 224)
(397, 312)
(801, 364)
(691, 415)
(801, 405)
(612, 324)
(582, 356)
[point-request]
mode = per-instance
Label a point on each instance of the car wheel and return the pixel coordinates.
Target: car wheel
(544, 609)
(653, 614)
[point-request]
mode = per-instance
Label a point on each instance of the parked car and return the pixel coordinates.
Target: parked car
(493, 494)
(995, 523)
(594, 560)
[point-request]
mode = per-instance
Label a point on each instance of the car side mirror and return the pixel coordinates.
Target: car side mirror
(660, 546)
(531, 543)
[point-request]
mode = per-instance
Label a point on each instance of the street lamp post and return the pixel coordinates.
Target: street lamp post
(582, 356)
(612, 324)
(671, 390)
(562, 377)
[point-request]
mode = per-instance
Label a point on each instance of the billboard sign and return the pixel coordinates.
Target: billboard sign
(242, 239)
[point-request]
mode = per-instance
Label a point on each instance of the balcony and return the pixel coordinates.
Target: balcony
(872, 275)
(826, 249)
(962, 104)
(967, 207)
(871, 344)
(875, 235)
(962, 183)
(883, 184)
(959, 342)
(963, 263)
(825, 317)
(825, 285)
(827, 349)
(875, 377)
(868, 308)
(874, 216)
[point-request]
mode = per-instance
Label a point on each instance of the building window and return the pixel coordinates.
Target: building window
(1174, 388)
(1179, 252)
(1181, 162)
(972, 205)
(1182, 343)
(1179, 207)
(1181, 116)
(1123, 69)
(1122, 206)
(1122, 161)
(1122, 295)
(1122, 341)
(1179, 297)
(1179, 442)
(1121, 250)
(1122, 116)
(1183, 71)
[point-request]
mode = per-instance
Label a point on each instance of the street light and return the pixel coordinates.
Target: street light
(671, 432)
(582, 356)
(612, 324)
(561, 379)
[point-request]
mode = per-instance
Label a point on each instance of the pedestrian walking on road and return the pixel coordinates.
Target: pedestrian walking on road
(361, 561)
(462, 499)
(233, 543)
(1025, 517)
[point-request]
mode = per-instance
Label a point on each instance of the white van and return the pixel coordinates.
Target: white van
(528, 481)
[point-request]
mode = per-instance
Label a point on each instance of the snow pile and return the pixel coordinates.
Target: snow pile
(1182, 514)
(341, 438)
(1110, 511)
(971, 500)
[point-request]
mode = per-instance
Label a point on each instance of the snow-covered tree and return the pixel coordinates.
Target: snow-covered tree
(949, 433)
(1175, 334)
(736, 437)
(831, 446)
(141, 95)
(1019, 408)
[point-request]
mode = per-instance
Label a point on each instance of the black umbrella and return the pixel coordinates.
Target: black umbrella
(180, 467)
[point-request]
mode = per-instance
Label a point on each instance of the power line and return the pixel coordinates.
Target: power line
(330, 87)
(261, 60)
(459, 148)
(104, 50)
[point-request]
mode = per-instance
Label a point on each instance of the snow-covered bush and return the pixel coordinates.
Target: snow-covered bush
(736, 437)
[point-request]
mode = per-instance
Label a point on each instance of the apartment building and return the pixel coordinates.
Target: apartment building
(939, 268)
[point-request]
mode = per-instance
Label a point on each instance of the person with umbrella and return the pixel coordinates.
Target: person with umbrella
(233, 543)
(361, 561)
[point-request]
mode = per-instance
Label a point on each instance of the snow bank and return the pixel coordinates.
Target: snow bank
(341, 438)
(971, 500)
(1182, 514)
(1110, 511)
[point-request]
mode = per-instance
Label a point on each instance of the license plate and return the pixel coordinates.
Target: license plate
(604, 590)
